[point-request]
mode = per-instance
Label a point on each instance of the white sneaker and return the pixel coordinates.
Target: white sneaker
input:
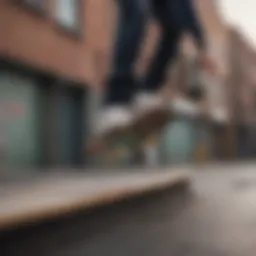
(183, 106)
(146, 102)
(112, 118)
(151, 113)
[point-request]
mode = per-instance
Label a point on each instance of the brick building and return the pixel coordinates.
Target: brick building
(218, 91)
(243, 84)
(52, 55)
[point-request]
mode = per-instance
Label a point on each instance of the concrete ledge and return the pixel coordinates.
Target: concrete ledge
(55, 196)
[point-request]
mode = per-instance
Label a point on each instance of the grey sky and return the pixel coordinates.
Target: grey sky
(242, 14)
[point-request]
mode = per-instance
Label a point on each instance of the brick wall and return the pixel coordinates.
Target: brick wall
(37, 40)
(243, 79)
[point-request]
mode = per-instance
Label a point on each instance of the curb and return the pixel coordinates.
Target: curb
(14, 219)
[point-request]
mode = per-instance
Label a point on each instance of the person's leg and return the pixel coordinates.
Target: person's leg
(116, 116)
(132, 19)
(165, 54)
(166, 50)
(152, 110)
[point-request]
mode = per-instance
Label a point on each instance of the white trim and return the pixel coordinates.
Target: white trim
(67, 13)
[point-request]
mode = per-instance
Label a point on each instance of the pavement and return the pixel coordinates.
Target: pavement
(216, 216)
(44, 197)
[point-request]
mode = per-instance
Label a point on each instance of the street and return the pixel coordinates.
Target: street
(215, 216)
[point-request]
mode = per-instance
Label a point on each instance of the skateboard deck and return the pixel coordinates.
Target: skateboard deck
(119, 145)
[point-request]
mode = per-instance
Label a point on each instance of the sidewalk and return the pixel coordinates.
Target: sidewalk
(54, 195)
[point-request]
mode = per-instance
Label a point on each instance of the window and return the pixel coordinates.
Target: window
(68, 14)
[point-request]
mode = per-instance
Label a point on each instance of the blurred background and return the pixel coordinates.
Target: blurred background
(55, 56)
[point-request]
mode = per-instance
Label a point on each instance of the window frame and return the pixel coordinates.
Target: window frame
(77, 30)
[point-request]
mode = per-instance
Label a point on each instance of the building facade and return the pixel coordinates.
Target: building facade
(53, 56)
(218, 91)
(243, 82)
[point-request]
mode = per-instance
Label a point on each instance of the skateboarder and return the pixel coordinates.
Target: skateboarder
(128, 97)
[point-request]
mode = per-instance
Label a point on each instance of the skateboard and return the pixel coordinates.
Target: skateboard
(119, 146)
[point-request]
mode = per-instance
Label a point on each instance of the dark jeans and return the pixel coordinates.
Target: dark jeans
(133, 17)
